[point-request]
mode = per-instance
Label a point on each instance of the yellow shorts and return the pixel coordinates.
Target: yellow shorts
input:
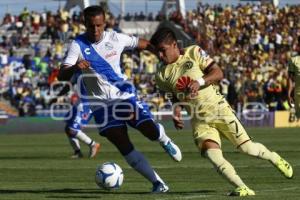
(225, 124)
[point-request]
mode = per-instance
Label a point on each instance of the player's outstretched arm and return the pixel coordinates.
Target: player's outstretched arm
(212, 74)
(145, 44)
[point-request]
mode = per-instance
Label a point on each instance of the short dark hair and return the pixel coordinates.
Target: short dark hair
(93, 11)
(163, 35)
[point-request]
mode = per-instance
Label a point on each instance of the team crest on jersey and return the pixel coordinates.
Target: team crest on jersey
(108, 46)
(87, 51)
(85, 116)
(188, 65)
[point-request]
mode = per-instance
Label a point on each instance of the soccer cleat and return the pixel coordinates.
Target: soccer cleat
(242, 191)
(173, 150)
(77, 155)
(284, 167)
(160, 187)
(94, 149)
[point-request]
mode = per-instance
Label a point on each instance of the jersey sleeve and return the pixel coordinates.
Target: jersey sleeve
(73, 54)
(202, 58)
(128, 41)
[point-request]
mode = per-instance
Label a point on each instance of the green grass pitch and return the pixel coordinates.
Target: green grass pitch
(38, 167)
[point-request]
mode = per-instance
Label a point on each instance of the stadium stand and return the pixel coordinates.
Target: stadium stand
(251, 43)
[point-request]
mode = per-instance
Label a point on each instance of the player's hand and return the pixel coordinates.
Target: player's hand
(83, 64)
(177, 119)
(193, 87)
(178, 122)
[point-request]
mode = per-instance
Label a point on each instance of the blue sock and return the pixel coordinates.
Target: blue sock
(138, 162)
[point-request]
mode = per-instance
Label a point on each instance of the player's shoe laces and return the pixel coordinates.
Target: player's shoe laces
(160, 187)
(284, 167)
(242, 191)
(173, 150)
(94, 149)
(77, 154)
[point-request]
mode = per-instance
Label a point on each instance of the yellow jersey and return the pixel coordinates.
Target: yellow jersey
(175, 77)
(294, 68)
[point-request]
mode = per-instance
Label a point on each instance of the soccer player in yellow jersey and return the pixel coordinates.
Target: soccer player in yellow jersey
(189, 76)
(294, 84)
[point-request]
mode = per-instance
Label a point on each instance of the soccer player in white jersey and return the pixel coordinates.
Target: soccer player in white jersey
(96, 55)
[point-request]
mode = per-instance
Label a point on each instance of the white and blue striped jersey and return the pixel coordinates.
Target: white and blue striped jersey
(103, 81)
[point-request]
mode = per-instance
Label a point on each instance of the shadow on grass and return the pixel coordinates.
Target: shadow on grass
(83, 192)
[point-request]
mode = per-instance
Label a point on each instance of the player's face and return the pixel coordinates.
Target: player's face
(168, 52)
(94, 27)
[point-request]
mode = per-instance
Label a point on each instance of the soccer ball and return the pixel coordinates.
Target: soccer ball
(109, 175)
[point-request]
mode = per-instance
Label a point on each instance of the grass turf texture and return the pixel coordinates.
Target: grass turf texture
(38, 167)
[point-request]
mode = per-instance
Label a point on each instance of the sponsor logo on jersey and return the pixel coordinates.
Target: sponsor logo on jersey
(108, 46)
(183, 82)
(113, 53)
(87, 51)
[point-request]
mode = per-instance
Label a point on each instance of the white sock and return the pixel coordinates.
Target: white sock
(84, 138)
(158, 178)
(163, 138)
(74, 143)
(138, 162)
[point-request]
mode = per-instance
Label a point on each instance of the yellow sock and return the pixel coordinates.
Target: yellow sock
(223, 167)
(259, 150)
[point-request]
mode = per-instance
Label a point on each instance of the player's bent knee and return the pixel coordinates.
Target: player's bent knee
(70, 132)
(249, 148)
(127, 150)
(150, 129)
(206, 145)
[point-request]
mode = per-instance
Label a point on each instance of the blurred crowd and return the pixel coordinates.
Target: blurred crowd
(251, 43)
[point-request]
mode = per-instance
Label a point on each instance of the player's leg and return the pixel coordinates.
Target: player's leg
(74, 142)
(81, 117)
(208, 142)
(260, 151)
(233, 130)
(143, 121)
(118, 136)
(236, 133)
(297, 105)
(85, 117)
(156, 132)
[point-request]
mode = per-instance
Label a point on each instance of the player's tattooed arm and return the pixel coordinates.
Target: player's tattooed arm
(66, 71)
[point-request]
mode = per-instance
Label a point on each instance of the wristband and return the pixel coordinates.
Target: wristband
(201, 81)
